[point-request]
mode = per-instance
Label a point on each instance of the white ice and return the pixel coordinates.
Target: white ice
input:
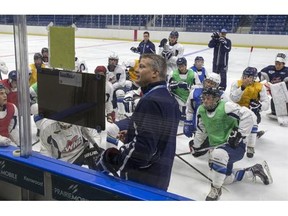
(185, 180)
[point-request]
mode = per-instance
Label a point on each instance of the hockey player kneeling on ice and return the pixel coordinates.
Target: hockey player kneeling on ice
(225, 126)
(252, 94)
(117, 76)
(194, 101)
(9, 130)
(181, 83)
(199, 68)
(70, 143)
(273, 74)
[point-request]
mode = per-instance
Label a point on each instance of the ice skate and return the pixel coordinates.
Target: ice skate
(214, 194)
(260, 133)
(262, 171)
(250, 152)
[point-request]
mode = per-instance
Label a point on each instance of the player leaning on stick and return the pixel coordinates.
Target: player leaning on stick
(222, 128)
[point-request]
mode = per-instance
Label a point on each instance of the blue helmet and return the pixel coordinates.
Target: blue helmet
(12, 76)
(250, 71)
(174, 34)
(181, 61)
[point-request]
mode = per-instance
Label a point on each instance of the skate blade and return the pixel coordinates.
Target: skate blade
(266, 168)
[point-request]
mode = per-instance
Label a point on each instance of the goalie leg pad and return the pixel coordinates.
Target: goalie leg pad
(280, 98)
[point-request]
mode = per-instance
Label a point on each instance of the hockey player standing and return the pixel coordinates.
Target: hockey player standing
(171, 51)
(253, 95)
(222, 47)
(221, 130)
(9, 131)
(148, 154)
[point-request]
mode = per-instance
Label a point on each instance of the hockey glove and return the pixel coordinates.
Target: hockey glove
(163, 42)
(255, 105)
(166, 54)
(188, 128)
(183, 85)
(134, 49)
(91, 155)
(235, 138)
(197, 152)
(173, 85)
(223, 41)
(108, 161)
(215, 35)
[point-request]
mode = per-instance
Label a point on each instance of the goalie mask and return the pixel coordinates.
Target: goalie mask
(210, 98)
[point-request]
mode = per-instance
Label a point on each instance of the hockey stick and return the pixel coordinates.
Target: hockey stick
(193, 167)
(180, 134)
(37, 141)
(251, 50)
(190, 165)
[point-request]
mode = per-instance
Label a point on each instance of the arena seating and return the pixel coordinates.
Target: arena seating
(259, 24)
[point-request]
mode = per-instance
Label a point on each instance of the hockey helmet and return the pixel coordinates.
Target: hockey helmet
(38, 56)
(199, 58)
(114, 56)
(174, 34)
(214, 77)
(281, 57)
(44, 50)
(100, 69)
(181, 61)
(12, 76)
(250, 72)
(210, 105)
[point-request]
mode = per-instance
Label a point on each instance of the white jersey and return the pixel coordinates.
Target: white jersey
(109, 97)
(117, 77)
(64, 144)
(177, 51)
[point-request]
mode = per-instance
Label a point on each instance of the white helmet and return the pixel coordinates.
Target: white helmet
(214, 77)
(281, 57)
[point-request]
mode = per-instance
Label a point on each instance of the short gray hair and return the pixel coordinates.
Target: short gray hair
(158, 63)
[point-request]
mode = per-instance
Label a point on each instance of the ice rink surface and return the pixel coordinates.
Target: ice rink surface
(185, 181)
